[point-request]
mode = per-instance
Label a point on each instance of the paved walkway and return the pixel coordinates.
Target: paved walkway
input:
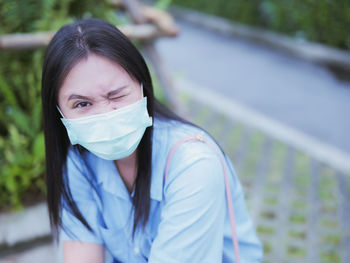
(44, 253)
(300, 205)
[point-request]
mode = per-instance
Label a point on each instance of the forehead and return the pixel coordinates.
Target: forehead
(93, 74)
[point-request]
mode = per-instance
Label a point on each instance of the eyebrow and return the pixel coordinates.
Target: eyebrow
(75, 96)
(109, 94)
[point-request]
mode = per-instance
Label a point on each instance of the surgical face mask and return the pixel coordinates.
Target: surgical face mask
(112, 135)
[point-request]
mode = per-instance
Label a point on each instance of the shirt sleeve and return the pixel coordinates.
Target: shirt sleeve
(192, 218)
(72, 228)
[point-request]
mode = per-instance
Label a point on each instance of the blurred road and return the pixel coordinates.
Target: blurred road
(298, 94)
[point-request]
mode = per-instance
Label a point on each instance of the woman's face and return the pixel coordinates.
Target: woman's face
(96, 85)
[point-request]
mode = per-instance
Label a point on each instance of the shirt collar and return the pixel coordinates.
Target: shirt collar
(109, 178)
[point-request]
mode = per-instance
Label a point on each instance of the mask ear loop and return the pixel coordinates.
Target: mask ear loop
(60, 111)
(142, 90)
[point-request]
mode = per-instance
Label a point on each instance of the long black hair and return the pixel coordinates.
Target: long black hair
(71, 44)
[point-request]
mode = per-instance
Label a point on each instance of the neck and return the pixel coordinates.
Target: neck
(127, 168)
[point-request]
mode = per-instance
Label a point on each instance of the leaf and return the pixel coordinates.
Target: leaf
(21, 121)
(39, 147)
(162, 4)
(7, 92)
(10, 183)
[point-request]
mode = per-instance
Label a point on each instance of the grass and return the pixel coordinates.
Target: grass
(267, 247)
(302, 168)
(202, 116)
(217, 126)
(296, 251)
(297, 218)
(331, 256)
(265, 230)
(327, 191)
(268, 214)
(299, 205)
(254, 154)
(332, 239)
(271, 200)
(278, 157)
(272, 188)
(329, 223)
(233, 139)
(300, 235)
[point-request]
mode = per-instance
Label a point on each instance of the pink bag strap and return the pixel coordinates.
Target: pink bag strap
(227, 185)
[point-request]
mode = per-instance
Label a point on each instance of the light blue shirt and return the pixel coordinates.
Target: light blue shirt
(188, 220)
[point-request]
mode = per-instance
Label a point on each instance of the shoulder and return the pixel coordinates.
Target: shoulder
(167, 132)
(192, 161)
(197, 161)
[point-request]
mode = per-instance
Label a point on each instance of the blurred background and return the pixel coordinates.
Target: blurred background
(268, 79)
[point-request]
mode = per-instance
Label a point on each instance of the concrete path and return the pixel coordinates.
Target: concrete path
(298, 204)
(46, 253)
(301, 95)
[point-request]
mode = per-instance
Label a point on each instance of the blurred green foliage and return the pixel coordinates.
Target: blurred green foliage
(21, 135)
(324, 21)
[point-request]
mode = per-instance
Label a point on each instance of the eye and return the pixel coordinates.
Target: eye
(82, 104)
(118, 97)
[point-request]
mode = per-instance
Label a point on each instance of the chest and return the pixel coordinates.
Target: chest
(116, 217)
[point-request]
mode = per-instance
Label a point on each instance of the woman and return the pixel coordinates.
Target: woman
(107, 146)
